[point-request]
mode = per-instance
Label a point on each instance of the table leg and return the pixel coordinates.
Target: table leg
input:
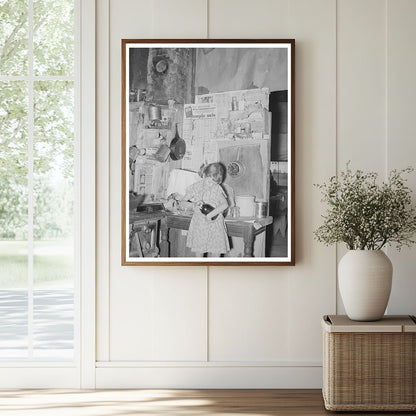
(249, 242)
(164, 238)
(135, 247)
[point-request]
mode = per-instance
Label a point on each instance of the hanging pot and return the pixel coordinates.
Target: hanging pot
(365, 278)
(177, 147)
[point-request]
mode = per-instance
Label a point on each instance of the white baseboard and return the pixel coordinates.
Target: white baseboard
(159, 375)
(39, 378)
(209, 377)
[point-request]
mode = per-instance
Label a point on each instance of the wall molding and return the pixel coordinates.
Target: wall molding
(207, 377)
(204, 364)
(87, 194)
(103, 179)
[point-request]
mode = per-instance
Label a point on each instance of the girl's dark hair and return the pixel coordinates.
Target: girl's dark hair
(215, 171)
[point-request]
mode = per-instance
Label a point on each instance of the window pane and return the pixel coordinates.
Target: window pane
(53, 197)
(13, 324)
(13, 219)
(13, 160)
(53, 37)
(53, 320)
(54, 171)
(13, 37)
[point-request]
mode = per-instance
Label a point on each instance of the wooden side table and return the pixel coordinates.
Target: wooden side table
(369, 366)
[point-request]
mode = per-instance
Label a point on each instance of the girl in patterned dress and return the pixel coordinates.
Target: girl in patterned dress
(207, 233)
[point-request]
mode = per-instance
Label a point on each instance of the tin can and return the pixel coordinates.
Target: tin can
(155, 113)
(261, 209)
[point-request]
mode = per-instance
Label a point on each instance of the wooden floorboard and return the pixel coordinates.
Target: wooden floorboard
(165, 402)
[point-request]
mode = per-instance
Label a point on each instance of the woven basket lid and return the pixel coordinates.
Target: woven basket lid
(389, 323)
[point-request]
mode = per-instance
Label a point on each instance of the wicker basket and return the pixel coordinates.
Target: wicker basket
(369, 366)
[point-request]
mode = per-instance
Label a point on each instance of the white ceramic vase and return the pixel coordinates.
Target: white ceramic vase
(364, 278)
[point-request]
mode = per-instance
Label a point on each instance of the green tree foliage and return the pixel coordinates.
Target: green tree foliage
(13, 37)
(54, 127)
(13, 208)
(53, 118)
(53, 37)
(13, 129)
(13, 159)
(53, 209)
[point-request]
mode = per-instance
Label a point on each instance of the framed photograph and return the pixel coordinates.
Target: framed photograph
(208, 134)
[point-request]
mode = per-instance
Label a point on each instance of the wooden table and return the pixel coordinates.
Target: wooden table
(139, 221)
(245, 227)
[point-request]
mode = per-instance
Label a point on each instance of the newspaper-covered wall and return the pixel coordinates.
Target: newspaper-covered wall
(232, 115)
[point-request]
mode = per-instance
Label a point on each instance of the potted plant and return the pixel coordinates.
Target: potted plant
(366, 215)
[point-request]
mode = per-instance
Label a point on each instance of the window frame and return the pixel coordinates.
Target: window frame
(81, 371)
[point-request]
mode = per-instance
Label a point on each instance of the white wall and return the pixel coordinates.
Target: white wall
(254, 326)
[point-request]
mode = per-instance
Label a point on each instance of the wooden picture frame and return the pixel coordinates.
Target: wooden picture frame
(208, 123)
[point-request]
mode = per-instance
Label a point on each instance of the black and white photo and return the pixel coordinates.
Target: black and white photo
(208, 152)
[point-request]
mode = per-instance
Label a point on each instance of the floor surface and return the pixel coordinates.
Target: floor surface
(165, 402)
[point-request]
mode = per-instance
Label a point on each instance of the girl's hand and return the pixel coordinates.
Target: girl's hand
(216, 212)
(185, 205)
(175, 196)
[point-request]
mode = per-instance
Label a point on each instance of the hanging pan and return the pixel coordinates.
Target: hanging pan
(177, 147)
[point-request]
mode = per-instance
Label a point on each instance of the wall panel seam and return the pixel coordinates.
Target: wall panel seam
(386, 5)
(336, 141)
(207, 313)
